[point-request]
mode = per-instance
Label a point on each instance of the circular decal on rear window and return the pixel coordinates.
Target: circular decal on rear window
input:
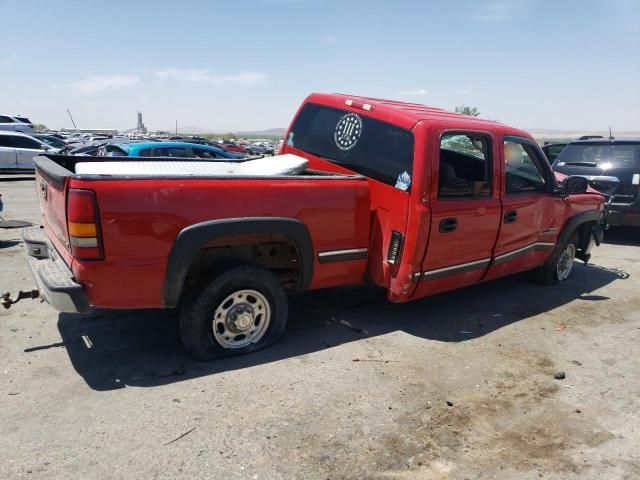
(348, 131)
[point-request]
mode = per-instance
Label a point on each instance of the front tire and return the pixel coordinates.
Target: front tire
(558, 270)
(240, 310)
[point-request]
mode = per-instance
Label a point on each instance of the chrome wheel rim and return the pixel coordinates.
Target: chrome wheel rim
(565, 262)
(241, 319)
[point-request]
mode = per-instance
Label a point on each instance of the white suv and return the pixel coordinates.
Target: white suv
(16, 123)
(18, 149)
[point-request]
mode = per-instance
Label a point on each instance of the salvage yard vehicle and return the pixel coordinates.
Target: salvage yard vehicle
(15, 123)
(17, 150)
(612, 166)
(413, 199)
(164, 149)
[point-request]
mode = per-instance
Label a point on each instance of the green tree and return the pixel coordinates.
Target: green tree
(467, 110)
(41, 127)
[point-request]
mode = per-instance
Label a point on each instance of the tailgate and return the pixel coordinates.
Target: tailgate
(51, 187)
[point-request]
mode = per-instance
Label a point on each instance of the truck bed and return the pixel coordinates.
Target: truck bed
(141, 216)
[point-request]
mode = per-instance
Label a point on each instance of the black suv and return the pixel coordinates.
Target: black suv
(612, 165)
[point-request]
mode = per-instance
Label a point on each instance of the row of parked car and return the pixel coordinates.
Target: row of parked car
(612, 165)
(17, 149)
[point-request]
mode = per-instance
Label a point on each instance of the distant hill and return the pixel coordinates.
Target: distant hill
(547, 133)
(271, 132)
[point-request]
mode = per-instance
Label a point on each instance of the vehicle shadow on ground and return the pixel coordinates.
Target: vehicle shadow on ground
(113, 350)
(628, 236)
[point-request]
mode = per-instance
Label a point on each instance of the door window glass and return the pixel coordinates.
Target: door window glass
(202, 153)
(25, 142)
(524, 173)
(465, 166)
(171, 152)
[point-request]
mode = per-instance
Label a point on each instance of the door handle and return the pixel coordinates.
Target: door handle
(511, 216)
(448, 225)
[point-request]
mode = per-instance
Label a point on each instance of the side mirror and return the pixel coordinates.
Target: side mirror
(575, 184)
(45, 147)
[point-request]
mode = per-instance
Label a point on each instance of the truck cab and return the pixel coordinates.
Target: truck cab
(454, 200)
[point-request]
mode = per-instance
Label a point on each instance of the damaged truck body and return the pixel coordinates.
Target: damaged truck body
(415, 200)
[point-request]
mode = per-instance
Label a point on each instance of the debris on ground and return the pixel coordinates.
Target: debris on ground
(559, 375)
(181, 436)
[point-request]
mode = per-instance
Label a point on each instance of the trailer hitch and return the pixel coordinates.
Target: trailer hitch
(7, 301)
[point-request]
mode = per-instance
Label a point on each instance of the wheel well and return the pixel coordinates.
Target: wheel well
(584, 232)
(273, 251)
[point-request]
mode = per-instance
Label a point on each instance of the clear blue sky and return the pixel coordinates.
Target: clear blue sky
(247, 64)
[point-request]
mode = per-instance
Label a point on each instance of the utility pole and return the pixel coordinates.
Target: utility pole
(82, 139)
(176, 127)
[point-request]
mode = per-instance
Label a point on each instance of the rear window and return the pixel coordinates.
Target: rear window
(23, 119)
(370, 147)
(622, 155)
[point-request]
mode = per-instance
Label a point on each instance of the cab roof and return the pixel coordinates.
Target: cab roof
(407, 115)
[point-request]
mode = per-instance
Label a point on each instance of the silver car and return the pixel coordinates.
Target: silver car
(18, 149)
(16, 123)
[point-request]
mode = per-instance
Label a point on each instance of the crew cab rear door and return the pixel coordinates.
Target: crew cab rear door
(530, 222)
(465, 210)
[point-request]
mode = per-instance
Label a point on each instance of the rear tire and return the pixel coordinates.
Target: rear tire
(558, 270)
(240, 310)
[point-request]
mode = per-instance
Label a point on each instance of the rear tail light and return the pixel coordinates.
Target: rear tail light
(83, 224)
(395, 248)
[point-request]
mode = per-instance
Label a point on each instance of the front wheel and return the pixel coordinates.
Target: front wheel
(240, 310)
(560, 268)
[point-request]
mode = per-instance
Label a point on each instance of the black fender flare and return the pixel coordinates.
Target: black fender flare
(570, 227)
(192, 238)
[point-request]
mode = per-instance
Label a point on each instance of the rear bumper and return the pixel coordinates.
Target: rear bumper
(54, 279)
(624, 214)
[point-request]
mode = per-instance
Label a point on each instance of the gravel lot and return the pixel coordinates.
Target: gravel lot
(456, 386)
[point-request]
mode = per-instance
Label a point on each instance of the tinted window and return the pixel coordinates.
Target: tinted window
(145, 152)
(202, 153)
(5, 141)
(16, 141)
(524, 173)
(171, 152)
(6, 119)
(465, 166)
(552, 151)
(373, 148)
(51, 140)
(599, 155)
(23, 119)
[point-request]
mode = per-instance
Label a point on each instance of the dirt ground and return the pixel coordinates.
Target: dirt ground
(458, 386)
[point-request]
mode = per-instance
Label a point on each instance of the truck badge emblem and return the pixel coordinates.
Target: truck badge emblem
(348, 131)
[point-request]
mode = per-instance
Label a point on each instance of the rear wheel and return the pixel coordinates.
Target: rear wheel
(240, 310)
(560, 268)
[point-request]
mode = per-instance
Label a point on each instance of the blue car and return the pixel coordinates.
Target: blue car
(165, 149)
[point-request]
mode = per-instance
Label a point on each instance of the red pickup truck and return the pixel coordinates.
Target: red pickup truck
(416, 200)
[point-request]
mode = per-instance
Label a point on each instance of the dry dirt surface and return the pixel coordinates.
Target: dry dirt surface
(458, 386)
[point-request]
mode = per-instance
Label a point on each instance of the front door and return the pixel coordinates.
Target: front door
(465, 211)
(7, 152)
(529, 224)
(26, 149)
